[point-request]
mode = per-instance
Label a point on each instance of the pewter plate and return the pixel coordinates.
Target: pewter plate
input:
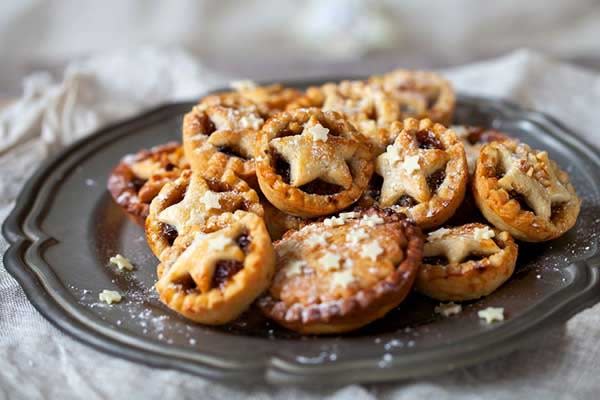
(65, 227)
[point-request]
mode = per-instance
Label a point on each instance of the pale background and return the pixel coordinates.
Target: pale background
(266, 39)
(70, 67)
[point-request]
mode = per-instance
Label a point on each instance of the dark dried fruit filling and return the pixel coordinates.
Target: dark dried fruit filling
(321, 188)
(282, 168)
(406, 201)
(428, 140)
(207, 127)
(225, 270)
(243, 241)
(435, 180)
(169, 232)
(230, 151)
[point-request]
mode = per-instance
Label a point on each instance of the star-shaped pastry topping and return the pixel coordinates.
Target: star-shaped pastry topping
(200, 259)
(405, 168)
(457, 247)
(191, 210)
(310, 157)
(534, 193)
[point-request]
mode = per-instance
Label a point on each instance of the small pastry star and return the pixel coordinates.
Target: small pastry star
(536, 196)
(312, 159)
(458, 248)
(405, 168)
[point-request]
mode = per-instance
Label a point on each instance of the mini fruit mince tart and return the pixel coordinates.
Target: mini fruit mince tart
(432, 95)
(189, 201)
(270, 99)
(311, 162)
(222, 137)
(219, 272)
(475, 137)
(522, 191)
(138, 178)
(344, 272)
(423, 174)
(370, 109)
(466, 262)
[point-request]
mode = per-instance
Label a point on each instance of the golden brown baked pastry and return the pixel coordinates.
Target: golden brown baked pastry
(188, 202)
(474, 138)
(311, 162)
(138, 178)
(423, 174)
(369, 109)
(279, 222)
(466, 262)
(218, 272)
(524, 192)
(420, 94)
(219, 137)
(344, 272)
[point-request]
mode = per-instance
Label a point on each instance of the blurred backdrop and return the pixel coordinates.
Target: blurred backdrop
(276, 39)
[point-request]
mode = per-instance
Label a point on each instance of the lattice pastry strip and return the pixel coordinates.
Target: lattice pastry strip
(466, 262)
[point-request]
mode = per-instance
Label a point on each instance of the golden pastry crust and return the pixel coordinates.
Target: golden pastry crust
(344, 272)
(474, 138)
(279, 222)
(138, 178)
(312, 162)
(466, 262)
(216, 274)
(524, 192)
(188, 202)
(368, 108)
(421, 94)
(423, 174)
(222, 137)
(269, 100)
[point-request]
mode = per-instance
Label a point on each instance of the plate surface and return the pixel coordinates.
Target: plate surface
(65, 227)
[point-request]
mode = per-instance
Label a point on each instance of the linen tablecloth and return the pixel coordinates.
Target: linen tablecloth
(39, 362)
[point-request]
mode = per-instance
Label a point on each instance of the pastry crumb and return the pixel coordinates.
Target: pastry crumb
(492, 314)
(121, 262)
(448, 309)
(110, 296)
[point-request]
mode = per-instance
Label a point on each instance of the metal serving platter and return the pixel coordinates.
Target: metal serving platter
(65, 227)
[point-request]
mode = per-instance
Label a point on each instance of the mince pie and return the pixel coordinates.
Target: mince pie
(344, 272)
(370, 109)
(312, 162)
(188, 202)
(474, 138)
(222, 137)
(423, 174)
(524, 192)
(466, 262)
(219, 271)
(420, 94)
(138, 178)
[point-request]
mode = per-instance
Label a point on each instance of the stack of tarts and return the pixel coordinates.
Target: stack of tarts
(311, 204)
